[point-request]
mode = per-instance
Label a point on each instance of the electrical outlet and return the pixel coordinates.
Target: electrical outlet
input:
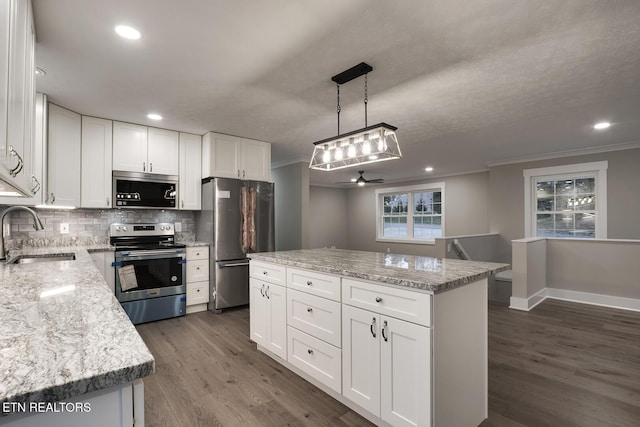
(177, 227)
(64, 228)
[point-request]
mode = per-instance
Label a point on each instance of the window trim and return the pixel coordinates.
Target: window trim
(597, 169)
(380, 192)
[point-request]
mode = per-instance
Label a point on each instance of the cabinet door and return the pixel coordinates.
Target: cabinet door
(361, 358)
(405, 373)
(256, 160)
(162, 151)
(277, 319)
(5, 15)
(96, 180)
(257, 311)
(63, 182)
(190, 191)
(129, 147)
(223, 153)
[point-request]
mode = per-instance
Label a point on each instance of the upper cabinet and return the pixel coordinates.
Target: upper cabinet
(17, 93)
(63, 183)
(190, 172)
(96, 150)
(234, 157)
(137, 148)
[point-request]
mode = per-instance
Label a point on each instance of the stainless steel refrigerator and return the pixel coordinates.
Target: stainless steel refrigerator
(237, 218)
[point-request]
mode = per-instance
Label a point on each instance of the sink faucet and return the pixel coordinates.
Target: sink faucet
(37, 224)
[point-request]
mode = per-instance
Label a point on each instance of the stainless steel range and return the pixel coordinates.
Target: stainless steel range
(150, 271)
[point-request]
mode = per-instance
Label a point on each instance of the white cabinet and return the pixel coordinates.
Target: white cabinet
(234, 157)
(268, 316)
(137, 148)
(17, 90)
(386, 366)
(103, 260)
(163, 151)
(96, 182)
(190, 190)
(197, 279)
(63, 183)
(129, 147)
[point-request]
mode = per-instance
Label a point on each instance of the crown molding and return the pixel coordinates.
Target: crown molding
(568, 153)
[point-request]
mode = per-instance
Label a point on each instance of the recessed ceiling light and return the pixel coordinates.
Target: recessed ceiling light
(40, 72)
(154, 116)
(602, 125)
(354, 179)
(428, 169)
(127, 32)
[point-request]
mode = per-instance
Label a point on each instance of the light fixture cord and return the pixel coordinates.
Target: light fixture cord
(365, 99)
(338, 108)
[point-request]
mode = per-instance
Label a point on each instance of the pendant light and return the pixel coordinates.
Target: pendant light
(370, 144)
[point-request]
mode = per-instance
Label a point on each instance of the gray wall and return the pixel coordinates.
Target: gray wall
(466, 212)
(327, 214)
(291, 184)
(506, 184)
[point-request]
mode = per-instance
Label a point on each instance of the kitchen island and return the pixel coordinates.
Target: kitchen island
(64, 339)
(400, 339)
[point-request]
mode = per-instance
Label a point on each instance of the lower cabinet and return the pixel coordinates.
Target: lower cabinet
(197, 279)
(103, 260)
(268, 316)
(386, 366)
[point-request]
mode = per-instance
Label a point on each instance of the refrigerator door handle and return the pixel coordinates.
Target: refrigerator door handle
(233, 264)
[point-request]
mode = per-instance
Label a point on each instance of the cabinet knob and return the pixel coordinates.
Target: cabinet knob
(197, 253)
(144, 166)
(309, 309)
(197, 268)
(107, 201)
(264, 272)
(150, 167)
(309, 283)
(310, 351)
(378, 299)
(182, 203)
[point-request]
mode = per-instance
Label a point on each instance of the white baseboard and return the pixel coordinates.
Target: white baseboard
(527, 304)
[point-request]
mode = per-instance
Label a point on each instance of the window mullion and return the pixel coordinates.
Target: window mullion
(410, 215)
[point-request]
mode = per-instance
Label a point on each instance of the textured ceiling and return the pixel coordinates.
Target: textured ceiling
(467, 83)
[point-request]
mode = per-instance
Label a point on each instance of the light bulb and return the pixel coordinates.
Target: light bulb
(338, 155)
(366, 147)
(351, 151)
(361, 183)
(326, 156)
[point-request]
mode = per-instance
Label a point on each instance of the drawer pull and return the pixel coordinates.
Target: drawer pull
(373, 325)
(266, 292)
(309, 309)
(262, 290)
(310, 351)
(309, 283)
(378, 299)
(384, 328)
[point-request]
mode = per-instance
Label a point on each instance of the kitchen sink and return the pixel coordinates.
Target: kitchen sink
(30, 259)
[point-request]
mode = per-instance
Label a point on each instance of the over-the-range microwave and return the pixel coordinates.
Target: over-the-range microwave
(144, 190)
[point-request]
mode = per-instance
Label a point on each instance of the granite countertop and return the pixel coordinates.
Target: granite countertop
(62, 332)
(432, 275)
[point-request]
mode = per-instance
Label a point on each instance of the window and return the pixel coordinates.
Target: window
(566, 201)
(412, 213)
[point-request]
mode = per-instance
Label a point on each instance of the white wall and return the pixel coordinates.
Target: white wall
(327, 217)
(291, 188)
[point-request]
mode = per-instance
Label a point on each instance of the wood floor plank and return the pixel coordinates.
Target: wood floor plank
(561, 364)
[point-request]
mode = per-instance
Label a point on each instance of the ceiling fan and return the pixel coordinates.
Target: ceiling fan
(362, 180)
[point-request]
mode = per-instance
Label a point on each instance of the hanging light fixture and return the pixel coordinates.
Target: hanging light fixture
(367, 145)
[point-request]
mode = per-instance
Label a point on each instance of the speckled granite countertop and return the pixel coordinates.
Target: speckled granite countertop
(62, 332)
(429, 274)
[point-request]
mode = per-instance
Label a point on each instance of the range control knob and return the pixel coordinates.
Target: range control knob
(118, 228)
(124, 228)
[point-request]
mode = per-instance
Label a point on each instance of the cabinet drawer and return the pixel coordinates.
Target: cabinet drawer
(323, 285)
(197, 293)
(198, 270)
(319, 317)
(316, 358)
(399, 303)
(198, 252)
(273, 273)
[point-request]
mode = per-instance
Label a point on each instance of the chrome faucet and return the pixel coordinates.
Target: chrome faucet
(37, 224)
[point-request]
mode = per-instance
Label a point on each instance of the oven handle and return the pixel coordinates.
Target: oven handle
(153, 252)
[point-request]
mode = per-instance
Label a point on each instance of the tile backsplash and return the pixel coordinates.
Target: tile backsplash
(87, 226)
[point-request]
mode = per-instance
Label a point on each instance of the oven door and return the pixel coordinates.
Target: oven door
(150, 274)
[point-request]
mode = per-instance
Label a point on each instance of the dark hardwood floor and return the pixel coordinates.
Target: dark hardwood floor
(562, 364)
